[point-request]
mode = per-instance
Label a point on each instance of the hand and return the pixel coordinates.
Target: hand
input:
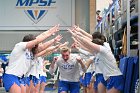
(71, 31)
(79, 33)
(58, 38)
(55, 59)
(64, 44)
(75, 45)
(79, 59)
(46, 62)
(54, 29)
(77, 28)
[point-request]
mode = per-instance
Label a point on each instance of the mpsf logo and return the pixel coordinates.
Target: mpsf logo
(35, 9)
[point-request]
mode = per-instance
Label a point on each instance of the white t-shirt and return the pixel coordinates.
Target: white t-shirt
(107, 63)
(20, 60)
(41, 66)
(35, 69)
(69, 71)
(97, 68)
(85, 55)
(107, 45)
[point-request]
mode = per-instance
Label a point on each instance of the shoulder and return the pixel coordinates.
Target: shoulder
(107, 45)
(21, 45)
(103, 49)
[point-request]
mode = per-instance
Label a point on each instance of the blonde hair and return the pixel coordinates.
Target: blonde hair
(65, 49)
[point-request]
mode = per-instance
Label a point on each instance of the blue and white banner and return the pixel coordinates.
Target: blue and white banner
(36, 14)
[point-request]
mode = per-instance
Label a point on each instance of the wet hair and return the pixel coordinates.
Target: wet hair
(98, 41)
(99, 36)
(28, 37)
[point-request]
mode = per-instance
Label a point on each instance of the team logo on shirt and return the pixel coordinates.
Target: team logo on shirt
(35, 9)
(29, 56)
(96, 60)
(67, 66)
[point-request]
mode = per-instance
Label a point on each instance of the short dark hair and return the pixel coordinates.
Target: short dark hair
(28, 37)
(99, 36)
(98, 41)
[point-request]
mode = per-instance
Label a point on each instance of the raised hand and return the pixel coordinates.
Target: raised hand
(75, 45)
(71, 31)
(48, 33)
(64, 44)
(58, 38)
(77, 28)
(54, 29)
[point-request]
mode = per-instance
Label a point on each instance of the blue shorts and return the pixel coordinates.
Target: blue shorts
(22, 81)
(9, 80)
(73, 87)
(27, 81)
(115, 81)
(34, 79)
(86, 80)
(99, 79)
(43, 79)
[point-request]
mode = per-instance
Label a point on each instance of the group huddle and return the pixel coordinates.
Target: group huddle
(94, 67)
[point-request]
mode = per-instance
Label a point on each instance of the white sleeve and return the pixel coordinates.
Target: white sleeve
(107, 45)
(84, 52)
(21, 45)
(102, 48)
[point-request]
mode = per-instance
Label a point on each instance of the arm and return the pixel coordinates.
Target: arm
(48, 50)
(45, 70)
(41, 37)
(89, 45)
(64, 44)
(79, 60)
(51, 49)
(50, 42)
(89, 61)
(84, 52)
(46, 62)
(77, 28)
(53, 66)
(78, 46)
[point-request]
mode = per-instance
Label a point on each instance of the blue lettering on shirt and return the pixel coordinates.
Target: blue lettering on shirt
(29, 56)
(68, 66)
(96, 60)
